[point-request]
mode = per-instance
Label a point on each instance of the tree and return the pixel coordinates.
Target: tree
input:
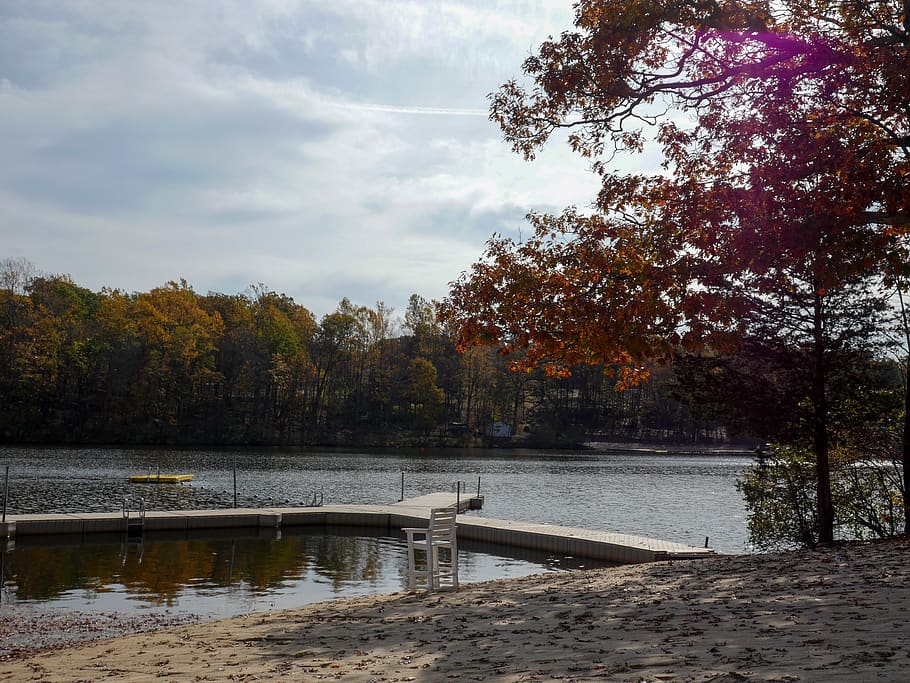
(787, 171)
(338, 334)
(240, 363)
(904, 344)
(426, 397)
(16, 274)
(284, 331)
(178, 339)
(625, 63)
(380, 360)
(419, 320)
(70, 312)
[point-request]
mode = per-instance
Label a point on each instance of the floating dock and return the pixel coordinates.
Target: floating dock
(160, 478)
(600, 545)
(429, 501)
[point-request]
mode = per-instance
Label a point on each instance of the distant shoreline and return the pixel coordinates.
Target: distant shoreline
(591, 446)
(670, 449)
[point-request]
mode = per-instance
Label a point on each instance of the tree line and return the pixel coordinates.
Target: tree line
(172, 366)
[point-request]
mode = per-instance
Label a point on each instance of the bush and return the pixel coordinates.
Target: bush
(780, 494)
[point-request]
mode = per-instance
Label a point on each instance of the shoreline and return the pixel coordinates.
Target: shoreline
(661, 447)
(836, 613)
(668, 448)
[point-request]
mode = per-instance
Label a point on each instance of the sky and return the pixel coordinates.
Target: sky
(323, 148)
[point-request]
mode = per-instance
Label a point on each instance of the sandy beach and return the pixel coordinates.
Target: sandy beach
(834, 614)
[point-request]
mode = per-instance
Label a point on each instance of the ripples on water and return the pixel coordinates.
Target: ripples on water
(672, 497)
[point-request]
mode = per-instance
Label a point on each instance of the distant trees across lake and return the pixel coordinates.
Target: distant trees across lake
(171, 366)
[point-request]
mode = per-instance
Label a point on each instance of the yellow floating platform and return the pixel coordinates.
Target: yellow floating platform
(160, 478)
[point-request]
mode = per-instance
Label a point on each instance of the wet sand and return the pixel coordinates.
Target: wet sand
(834, 614)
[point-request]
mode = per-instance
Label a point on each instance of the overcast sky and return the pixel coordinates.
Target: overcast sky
(324, 148)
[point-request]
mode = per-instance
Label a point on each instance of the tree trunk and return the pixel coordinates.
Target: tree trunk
(823, 469)
(820, 403)
(905, 437)
(905, 450)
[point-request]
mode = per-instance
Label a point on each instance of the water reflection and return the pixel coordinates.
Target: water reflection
(225, 574)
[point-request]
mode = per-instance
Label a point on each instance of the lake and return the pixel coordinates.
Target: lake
(682, 498)
(222, 573)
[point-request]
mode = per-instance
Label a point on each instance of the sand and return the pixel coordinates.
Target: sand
(835, 614)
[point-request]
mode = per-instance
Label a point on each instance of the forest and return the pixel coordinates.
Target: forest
(171, 366)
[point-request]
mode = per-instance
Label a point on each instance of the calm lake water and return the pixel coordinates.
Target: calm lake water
(674, 497)
(679, 498)
(224, 573)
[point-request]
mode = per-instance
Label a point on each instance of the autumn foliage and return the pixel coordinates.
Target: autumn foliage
(782, 204)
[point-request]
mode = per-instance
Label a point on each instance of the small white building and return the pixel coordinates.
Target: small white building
(499, 430)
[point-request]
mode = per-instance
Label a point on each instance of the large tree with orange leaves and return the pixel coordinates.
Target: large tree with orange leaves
(785, 133)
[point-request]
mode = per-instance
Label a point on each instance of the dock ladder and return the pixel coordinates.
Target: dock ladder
(133, 520)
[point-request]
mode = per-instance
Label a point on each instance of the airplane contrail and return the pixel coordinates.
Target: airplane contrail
(420, 111)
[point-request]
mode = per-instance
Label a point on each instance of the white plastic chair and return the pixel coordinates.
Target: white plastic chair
(439, 543)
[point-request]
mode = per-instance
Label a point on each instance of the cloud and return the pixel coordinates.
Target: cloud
(328, 150)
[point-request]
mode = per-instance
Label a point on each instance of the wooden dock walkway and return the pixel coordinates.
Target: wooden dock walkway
(429, 501)
(600, 545)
